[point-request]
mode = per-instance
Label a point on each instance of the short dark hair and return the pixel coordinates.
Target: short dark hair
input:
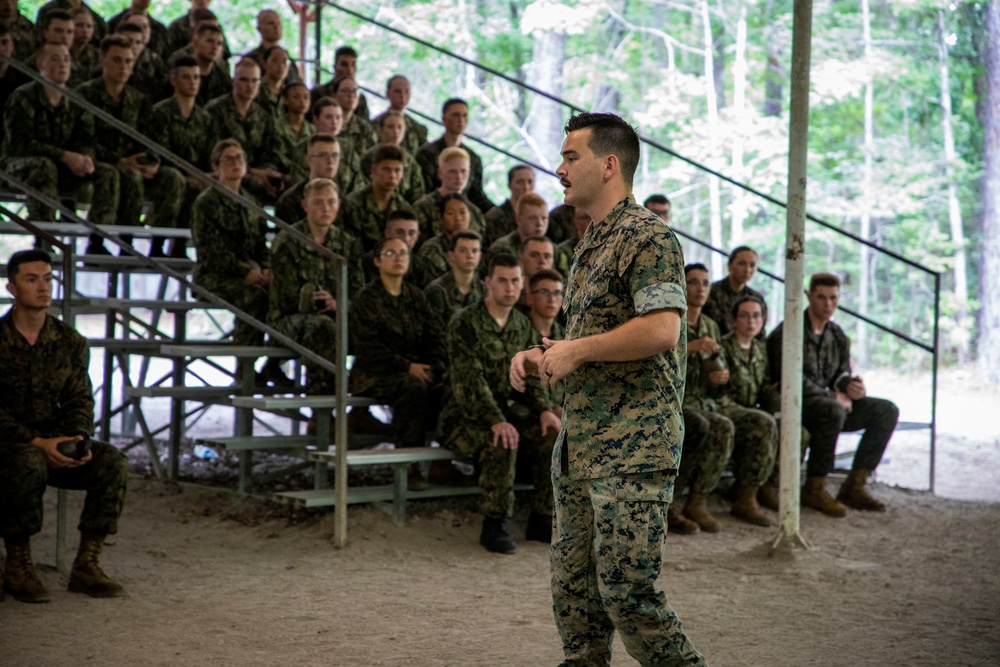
(203, 28)
(545, 274)
(610, 135)
(182, 61)
(201, 14)
(25, 257)
(344, 51)
(383, 153)
(466, 234)
(695, 266)
(399, 214)
(4, 29)
(335, 84)
(388, 84)
(321, 138)
(503, 259)
(450, 102)
(454, 196)
(737, 250)
(323, 103)
(824, 280)
(291, 84)
(746, 298)
(54, 14)
(516, 168)
(271, 49)
(537, 238)
(111, 41)
(656, 199)
(126, 27)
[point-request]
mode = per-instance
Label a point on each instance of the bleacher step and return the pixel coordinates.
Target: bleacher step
(396, 456)
(244, 443)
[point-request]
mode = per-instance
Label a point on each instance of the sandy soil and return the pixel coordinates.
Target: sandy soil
(214, 579)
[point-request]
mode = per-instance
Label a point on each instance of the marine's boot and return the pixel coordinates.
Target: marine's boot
(696, 509)
(745, 506)
(768, 496)
(87, 576)
(539, 528)
(678, 523)
(854, 494)
(495, 536)
(19, 576)
(814, 496)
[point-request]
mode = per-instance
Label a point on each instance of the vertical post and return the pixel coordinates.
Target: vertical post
(934, 379)
(340, 483)
(61, 531)
(318, 59)
(791, 366)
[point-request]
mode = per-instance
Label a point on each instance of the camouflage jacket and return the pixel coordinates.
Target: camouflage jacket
(500, 221)
(478, 382)
(826, 358)
(419, 274)
(445, 298)
(34, 128)
(561, 225)
(348, 178)
(189, 138)
(255, 131)
(434, 253)
(749, 374)
(388, 333)
(412, 185)
(257, 53)
(414, 138)
(228, 237)
(624, 417)
(289, 205)
(179, 36)
(151, 76)
(697, 394)
(85, 62)
(427, 158)
(720, 305)
(297, 266)
(157, 32)
(25, 39)
(429, 216)
(287, 141)
(45, 388)
(217, 83)
(131, 109)
(511, 245)
(360, 215)
(360, 132)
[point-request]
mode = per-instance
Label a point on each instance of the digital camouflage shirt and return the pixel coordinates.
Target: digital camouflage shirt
(427, 158)
(189, 138)
(500, 221)
(412, 185)
(414, 138)
(429, 215)
(361, 216)
(446, 299)
(697, 394)
(826, 358)
(254, 131)
(34, 128)
(624, 417)
(720, 305)
(229, 239)
(749, 374)
(132, 108)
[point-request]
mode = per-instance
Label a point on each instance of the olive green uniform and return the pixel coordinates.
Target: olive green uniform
(720, 302)
(428, 212)
(427, 158)
(361, 216)
(446, 299)
(500, 221)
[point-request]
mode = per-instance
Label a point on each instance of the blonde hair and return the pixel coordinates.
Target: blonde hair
(453, 153)
(530, 199)
(319, 184)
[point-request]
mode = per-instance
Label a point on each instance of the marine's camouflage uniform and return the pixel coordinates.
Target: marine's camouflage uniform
(190, 139)
(45, 391)
(429, 215)
(500, 220)
(445, 298)
(412, 185)
(414, 138)
(360, 215)
(427, 158)
(719, 306)
(614, 464)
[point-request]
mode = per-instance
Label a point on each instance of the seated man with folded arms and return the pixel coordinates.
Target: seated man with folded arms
(391, 131)
(399, 348)
(461, 286)
(455, 118)
(46, 409)
(454, 219)
(477, 422)
(233, 259)
(397, 91)
(365, 210)
(453, 170)
(532, 219)
(501, 220)
(50, 143)
(834, 400)
(742, 267)
(402, 225)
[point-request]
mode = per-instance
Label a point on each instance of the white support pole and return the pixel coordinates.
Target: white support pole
(791, 364)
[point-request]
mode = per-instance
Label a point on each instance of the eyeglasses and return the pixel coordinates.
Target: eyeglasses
(233, 159)
(548, 293)
(248, 79)
(326, 156)
(750, 316)
(395, 253)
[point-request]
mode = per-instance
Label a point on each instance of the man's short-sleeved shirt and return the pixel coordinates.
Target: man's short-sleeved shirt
(624, 417)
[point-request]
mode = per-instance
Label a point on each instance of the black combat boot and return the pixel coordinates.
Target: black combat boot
(495, 537)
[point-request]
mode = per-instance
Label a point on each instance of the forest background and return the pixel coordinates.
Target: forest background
(899, 122)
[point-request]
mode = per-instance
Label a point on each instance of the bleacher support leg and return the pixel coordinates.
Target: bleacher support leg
(399, 471)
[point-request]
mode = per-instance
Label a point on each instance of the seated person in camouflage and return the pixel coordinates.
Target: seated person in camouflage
(21, 29)
(402, 225)
(461, 286)
(834, 401)
(397, 91)
(235, 116)
(328, 118)
(10, 78)
(756, 434)
(742, 267)
(531, 219)
(156, 32)
(365, 210)
(399, 349)
(345, 65)
(181, 126)
(100, 26)
(660, 205)
(46, 398)
(303, 278)
(181, 32)
(206, 48)
(271, 29)
(455, 118)
(149, 72)
(391, 130)
(58, 28)
(274, 67)
(139, 174)
(477, 422)
(455, 216)
(291, 128)
(708, 435)
(84, 54)
(500, 220)
(453, 170)
(233, 259)
(322, 160)
(50, 143)
(357, 130)
(581, 220)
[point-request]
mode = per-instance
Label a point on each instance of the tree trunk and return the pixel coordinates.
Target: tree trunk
(739, 205)
(989, 216)
(545, 119)
(866, 187)
(773, 77)
(954, 211)
(715, 216)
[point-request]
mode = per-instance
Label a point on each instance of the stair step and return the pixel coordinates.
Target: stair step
(223, 349)
(243, 443)
(387, 456)
(292, 402)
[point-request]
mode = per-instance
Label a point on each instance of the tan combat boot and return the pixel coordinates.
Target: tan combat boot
(678, 523)
(814, 496)
(854, 494)
(87, 576)
(696, 509)
(19, 576)
(746, 508)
